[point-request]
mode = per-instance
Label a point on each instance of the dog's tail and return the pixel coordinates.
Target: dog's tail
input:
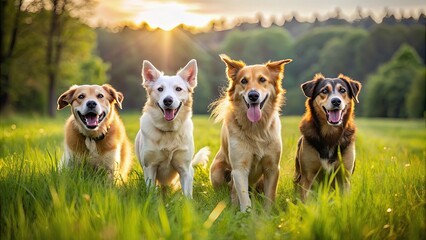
(297, 168)
(201, 157)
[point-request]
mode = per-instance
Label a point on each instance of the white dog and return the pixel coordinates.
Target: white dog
(164, 144)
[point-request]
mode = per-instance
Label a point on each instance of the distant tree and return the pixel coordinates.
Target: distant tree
(235, 44)
(61, 11)
(257, 46)
(203, 93)
(383, 41)
(386, 91)
(28, 82)
(10, 18)
(416, 97)
(338, 55)
(308, 50)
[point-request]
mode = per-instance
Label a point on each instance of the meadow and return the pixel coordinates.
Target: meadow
(387, 198)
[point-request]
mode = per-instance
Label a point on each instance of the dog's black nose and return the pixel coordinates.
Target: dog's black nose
(336, 102)
(91, 104)
(168, 101)
(253, 96)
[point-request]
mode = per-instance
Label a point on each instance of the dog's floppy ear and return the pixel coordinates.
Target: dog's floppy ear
(149, 73)
(117, 96)
(354, 86)
(309, 87)
(277, 68)
(66, 98)
(232, 66)
(189, 73)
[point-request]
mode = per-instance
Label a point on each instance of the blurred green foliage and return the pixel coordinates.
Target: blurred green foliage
(94, 56)
(79, 63)
(388, 90)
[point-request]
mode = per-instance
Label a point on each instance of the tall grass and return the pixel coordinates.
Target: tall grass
(387, 198)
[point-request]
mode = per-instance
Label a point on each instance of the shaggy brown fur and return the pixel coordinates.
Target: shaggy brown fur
(250, 141)
(327, 125)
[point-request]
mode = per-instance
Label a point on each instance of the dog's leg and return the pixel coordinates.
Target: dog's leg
(150, 175)
(126, 161)
(240, 163)
(271, 174)
(234, 195)
(305, 185)
(182, 163)
(110, 161)
(187, 180)
(348, 164)
(240, 178)
(64, 162)
(218, 176)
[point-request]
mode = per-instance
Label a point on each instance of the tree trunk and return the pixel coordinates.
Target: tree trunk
(7, 57)
(54, 50)
(4, 66)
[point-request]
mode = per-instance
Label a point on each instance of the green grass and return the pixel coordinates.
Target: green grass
(387, 199)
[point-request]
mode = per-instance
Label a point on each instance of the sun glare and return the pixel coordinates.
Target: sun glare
(168, 15)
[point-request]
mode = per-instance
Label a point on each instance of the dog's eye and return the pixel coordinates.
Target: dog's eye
(324, 91)
(100, 95)
(160, 89)
(244, 81)
(81, 96)
(342, 90)
(262, 79)
(178, 89)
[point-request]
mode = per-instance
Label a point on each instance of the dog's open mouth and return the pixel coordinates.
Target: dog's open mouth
(170, 114)
(254, 113)
(91, 119)
(334, 116)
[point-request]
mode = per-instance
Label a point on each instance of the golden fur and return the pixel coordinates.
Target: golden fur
(250, 149)
(322, 135)
(104, 147)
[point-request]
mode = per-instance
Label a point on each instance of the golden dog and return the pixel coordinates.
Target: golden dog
(327, 126)
(251, 130)
(94, 132)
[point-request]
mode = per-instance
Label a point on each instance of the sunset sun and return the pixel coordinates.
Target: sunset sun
(168, 15)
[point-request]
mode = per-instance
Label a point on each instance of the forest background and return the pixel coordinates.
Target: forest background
(47, 46)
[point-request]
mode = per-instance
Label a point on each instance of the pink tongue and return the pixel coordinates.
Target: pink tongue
(169, 114)
(92, 120)
(334, 116)
(253, 113)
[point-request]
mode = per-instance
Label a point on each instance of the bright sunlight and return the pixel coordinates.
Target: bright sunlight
(168, 15)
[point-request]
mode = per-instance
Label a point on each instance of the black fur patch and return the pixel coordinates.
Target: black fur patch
(333, 82)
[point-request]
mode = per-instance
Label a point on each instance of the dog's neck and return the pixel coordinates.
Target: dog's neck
(327, 139)
(102, 136)
(98, 137)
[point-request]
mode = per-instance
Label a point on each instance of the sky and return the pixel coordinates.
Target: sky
(167, 14)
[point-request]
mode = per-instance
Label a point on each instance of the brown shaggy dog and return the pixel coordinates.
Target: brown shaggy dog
(94, 132)
(327, 126)
(251, 130)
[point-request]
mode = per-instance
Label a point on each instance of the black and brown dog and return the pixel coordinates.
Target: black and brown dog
(327, 126)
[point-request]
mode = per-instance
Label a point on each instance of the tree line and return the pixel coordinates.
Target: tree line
(387, 57)
(45, 48)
